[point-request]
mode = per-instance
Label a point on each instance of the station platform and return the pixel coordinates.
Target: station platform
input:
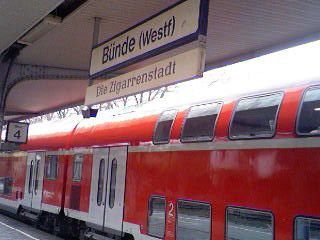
(14, 229)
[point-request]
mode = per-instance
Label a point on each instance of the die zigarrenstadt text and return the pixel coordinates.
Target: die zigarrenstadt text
(167, 69)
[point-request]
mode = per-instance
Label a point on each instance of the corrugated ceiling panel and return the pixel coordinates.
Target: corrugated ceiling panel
(235, 28)
(17, 17)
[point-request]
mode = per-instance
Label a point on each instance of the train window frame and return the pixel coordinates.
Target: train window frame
(75, 160)
(112, 197)
(165, 214)
(47, 162)
(298, 133)
(260, 136)
(191, 201)
(36, 176)
(201, 139)
(305, 217)
(30, 182)
(248, 209)
(157, 124)
(101, 179)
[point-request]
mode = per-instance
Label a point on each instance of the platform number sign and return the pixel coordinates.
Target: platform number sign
(17, 132)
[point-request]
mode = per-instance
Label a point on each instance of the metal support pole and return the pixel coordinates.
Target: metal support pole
(3, 89)
(6, 61)
(95, 37)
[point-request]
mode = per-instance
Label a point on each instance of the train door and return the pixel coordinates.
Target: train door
(115, 188)
(34, 180)
(38, 180)
(98, 186)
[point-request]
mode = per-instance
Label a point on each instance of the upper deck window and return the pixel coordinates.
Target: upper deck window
(309, 114)
(200, 123)
(255, 117)
(163, 127)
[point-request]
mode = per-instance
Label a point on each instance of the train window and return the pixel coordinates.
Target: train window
(309, 113)
(255, 117)
(51, 167)
(163, 127)
(77, 167)
(100, 181)
(6, 185)
(113, 181)
(306, 228)
(30, 178)
(36, 178)
(200, 123)
(156, 216)
(247, 224)
(193, 220)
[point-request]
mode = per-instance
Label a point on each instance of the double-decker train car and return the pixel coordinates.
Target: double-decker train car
(241, 168)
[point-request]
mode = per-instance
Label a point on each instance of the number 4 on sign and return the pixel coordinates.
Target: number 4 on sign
(17, 134)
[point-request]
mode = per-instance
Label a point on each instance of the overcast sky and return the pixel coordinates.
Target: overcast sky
(290, 66)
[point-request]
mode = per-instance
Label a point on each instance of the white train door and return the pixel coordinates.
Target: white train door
(28, 192)
(38, 180)
(115, 188)
(34, 180)
(98, 186)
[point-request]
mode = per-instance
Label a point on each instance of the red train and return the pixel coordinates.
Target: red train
(240, 169)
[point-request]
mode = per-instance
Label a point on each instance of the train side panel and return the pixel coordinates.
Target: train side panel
(77, 195)
(12, 181)
(265, 179)
(54, 188)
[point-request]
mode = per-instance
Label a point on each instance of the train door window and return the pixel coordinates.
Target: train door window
(156, 216)
(163, 127)
(306, 228)
(36, 178)
(309, 113)
(100, 182)
(255, 117)
(30, 178)
(247, 224)
(77, 167)
(200, 123)
(51, 167)
(193, 221)
(113, 182)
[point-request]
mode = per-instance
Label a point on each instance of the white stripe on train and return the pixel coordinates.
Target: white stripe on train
(311, 142)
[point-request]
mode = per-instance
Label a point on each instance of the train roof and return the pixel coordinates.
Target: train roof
(137, 124)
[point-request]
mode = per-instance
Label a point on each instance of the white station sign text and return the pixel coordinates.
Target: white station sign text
(178, 68)
(163, 29)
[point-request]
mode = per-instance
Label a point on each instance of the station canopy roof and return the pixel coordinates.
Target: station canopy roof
(237, 30)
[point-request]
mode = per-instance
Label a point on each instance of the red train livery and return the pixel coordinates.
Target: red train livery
(236, 169)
